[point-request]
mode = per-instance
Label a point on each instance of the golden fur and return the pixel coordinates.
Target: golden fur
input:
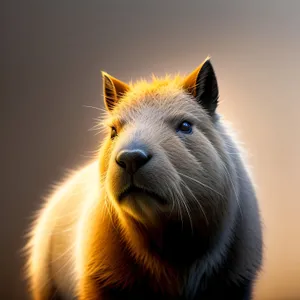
(83, 241)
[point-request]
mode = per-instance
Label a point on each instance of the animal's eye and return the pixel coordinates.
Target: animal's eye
(185, 127)
(113, 133)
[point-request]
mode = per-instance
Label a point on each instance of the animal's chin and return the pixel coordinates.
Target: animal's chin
(143, 205)
(137, 192)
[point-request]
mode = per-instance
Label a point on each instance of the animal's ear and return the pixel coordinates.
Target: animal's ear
(202, 84)
(113, 90)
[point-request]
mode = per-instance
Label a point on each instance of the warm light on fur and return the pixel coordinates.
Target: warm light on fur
(86, 241)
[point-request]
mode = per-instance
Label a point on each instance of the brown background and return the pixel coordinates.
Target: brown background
(51, 56)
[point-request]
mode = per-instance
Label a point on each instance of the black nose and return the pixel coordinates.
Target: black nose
(132, 160)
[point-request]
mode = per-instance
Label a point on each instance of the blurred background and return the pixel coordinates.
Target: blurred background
(51, 56)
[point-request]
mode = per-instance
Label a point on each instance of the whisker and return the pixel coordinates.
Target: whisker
(196, 200)
(178, 204)
(173, 202)
(201, 183)
(64, 253)
(98, 126)
(93, 107)
(95, 127)
(66, 263)
(188, 211)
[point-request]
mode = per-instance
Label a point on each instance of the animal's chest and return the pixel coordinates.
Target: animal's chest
(136, 294)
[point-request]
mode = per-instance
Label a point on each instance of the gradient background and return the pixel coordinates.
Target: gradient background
(51, 56)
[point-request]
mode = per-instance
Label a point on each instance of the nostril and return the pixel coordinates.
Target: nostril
(132, 160)
(121, 159)
(121, 163)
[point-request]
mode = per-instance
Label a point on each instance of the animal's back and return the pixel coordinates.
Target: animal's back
(54, 237)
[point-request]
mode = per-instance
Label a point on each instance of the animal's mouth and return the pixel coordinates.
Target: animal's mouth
(132, 189)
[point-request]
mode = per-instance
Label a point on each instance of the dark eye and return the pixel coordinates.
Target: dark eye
(185, 127)
(113, 132)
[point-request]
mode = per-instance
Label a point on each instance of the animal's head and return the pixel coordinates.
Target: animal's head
(163, 161)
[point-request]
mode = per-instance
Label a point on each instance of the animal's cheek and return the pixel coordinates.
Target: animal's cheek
(116, 179)
(105, 153)
(182, 159)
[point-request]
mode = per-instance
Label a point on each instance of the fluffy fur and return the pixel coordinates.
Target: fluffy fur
(205, 242)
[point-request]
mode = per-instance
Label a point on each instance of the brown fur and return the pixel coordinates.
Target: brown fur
(86, 242)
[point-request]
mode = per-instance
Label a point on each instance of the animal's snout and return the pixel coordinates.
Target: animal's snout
(132, 159)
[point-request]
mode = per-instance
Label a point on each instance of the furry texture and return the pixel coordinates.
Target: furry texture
(205, 242)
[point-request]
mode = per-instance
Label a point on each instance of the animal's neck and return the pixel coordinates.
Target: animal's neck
(123, 264)
(172, 244)
(137, 257)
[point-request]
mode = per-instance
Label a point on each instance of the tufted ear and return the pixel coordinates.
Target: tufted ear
(202, 84)
(113, 90)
